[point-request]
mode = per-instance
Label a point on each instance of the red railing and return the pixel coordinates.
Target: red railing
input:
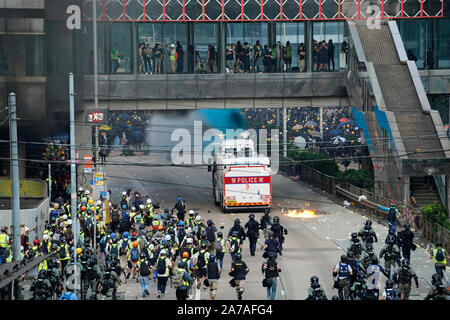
(260, 10)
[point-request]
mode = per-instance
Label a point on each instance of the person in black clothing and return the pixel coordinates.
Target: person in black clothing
(237, 227)
(181, 209)
(271, 245)
(245, 56)
(180, 58)
(239, 270)
(411, 55)
(407, 237)
(271, 270)
(278, 230)
(213, 275)
(429, 59)
(330, 54)
(265, 223)
(252, 227)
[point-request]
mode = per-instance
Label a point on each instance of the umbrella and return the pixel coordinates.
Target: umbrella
(124, 116)
(335, 132)
(315, 134)
(310, 124)
(338, 140)
(297, 127)
(300, 142)
(105, 128)
(344, 120)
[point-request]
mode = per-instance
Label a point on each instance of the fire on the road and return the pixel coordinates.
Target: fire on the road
(301, 213)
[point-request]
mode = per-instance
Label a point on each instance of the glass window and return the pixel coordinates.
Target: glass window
(206, 37)
(175, 36)
(87, 57)
(21, 55)
(327, 42)
(416, 36)
(120, 55)
(443, 43)
(294, 33)
(150, 35)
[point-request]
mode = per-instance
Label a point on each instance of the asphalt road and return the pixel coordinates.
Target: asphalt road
(313, 246)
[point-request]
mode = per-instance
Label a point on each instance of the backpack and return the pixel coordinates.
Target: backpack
(403, 277)
(161, 266)
(114, 250)
(123, 202)
(134, 255)
(62, 252)
(343, 270)
(234, 245)
(124, 248)
(178, 279)
(115, 217)
(218, 246)
(201, 262)
(392, 214)
(210, 234)
(356, 248)
(144, 270)
(439, 255)
(389, 294)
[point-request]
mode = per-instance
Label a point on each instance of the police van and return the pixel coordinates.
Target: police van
(241, 178)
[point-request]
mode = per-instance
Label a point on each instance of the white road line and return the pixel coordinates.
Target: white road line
(197, 293)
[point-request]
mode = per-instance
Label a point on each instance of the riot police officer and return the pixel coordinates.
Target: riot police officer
(315, 291)
(278, 230)
(252, 227)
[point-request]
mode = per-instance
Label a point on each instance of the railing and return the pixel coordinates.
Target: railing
(433, 232)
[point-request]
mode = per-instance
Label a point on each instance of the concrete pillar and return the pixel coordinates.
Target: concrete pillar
(222, 46)
(405, 183)
(308, 44)
(447, 188)
(134, 48)
(321, 121)
(84, 145)
(284, 132)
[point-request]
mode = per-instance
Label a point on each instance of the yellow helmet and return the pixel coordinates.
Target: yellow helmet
(91, 202)
(79, 250)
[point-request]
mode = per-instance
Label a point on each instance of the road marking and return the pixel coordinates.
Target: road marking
(197, 293)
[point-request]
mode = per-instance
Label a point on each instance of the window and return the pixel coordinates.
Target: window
(206, 37)
(87, 58)
(174, 34)
(120, 53)
(21, 55)
(295, 34)
(323, 58)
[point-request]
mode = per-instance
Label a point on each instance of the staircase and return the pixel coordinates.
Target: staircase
(424, 190)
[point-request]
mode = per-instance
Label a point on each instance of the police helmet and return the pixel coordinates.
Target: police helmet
(266, 212)
(212, 257)
(220, 234)
(405, 262)
(237, 256)
(209, 222)
(237, 221)
(335, 297)
(314, 281)
(389, 284)
(436, 279)
(343, 258)
(361, 276)
(407, 226)
(373, 259)
(272, 255)
(350, 254)
(368, 223)
(438, 243)
(354, 235)
(251, 216)
(369, 247)
(276, 219)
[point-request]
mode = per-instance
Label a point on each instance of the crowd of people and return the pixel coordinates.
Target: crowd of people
(143, 241)
(341, 136)
(125, 131)
(239, 57)
(176, 247)
(357, 276)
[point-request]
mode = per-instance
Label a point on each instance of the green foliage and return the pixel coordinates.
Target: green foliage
(359, 178)
(437, 213)
(320, 162)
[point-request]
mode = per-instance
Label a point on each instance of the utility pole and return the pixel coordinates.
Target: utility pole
(15, 186)
(94, 30)
(50, 181)
(73, 177)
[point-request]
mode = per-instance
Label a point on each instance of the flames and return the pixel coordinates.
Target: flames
(301, 213)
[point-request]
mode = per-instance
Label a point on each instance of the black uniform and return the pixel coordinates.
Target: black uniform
(252, 227)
